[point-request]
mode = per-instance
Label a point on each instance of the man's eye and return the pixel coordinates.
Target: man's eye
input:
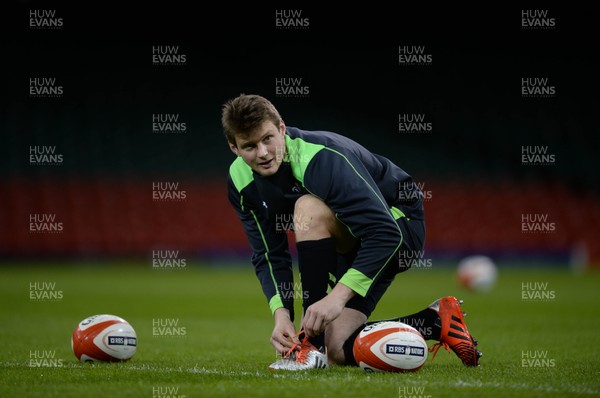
(267, 138)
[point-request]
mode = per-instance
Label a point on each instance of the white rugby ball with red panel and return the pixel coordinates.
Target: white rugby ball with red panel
(390, 346)
(477, 273)
(104, 338)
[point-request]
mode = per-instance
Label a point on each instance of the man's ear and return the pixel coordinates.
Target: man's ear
(233, 148)
(282, 126)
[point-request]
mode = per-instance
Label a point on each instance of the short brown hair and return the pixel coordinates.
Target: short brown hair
(246, 112)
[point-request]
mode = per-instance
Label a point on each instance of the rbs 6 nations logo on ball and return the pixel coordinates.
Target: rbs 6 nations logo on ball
(104, 338)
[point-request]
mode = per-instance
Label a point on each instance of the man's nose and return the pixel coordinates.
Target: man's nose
(262, 150)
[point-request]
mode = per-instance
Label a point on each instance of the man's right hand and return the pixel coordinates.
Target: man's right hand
(284, 332)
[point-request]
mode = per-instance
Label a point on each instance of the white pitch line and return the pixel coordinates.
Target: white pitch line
(304, 376)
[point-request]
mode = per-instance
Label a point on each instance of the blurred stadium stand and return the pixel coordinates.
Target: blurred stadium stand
(470, 163)
(120, 219)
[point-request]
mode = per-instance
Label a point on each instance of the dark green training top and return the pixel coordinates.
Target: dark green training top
(367, 193)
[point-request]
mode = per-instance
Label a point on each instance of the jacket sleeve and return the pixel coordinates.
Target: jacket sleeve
(270, 253)
(345, 185)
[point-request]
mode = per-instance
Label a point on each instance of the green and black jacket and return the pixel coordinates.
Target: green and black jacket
(367, 193)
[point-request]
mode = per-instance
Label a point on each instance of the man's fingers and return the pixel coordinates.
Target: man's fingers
(278, 347)
(282, 345)
(308, 331)
(306, 322)
(290, 338)
(294, 340)
(312, 327)
(317, 326)
(283, 342)
(311, 323)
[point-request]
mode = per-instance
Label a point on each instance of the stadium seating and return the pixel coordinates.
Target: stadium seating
(119, 218)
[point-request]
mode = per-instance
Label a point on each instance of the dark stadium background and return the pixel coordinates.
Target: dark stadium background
(348, 57)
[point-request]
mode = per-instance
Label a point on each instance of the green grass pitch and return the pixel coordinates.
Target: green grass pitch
(204, 332)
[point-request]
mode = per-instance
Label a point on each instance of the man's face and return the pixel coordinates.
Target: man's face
(263, 149)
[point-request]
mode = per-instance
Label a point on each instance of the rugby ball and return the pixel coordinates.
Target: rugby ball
(390, 346)
(104, 338)
(477, 273)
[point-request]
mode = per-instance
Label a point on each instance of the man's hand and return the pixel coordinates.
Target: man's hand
(326, 310)
(284, 332)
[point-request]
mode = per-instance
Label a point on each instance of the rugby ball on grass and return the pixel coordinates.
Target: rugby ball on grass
(390, 346)
(477, 273)
(104, 338)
